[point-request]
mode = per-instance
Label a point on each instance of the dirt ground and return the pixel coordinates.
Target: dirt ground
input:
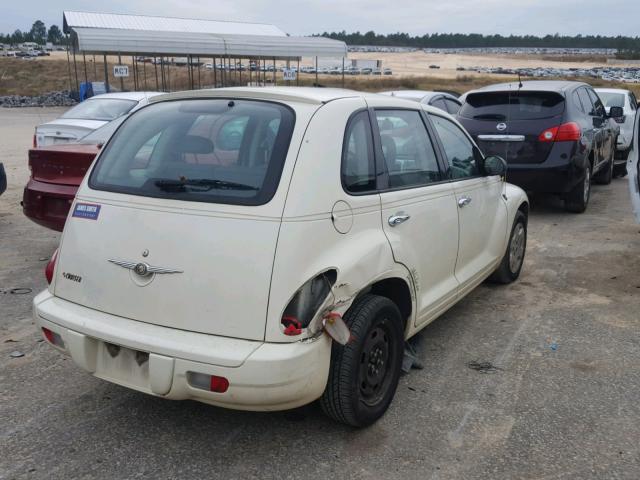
(562, 402)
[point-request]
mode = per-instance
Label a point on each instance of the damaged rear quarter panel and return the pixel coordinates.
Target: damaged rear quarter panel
(308, 243)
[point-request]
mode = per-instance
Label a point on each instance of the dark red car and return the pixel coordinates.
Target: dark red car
(56, 174)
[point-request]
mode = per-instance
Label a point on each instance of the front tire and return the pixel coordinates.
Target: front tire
(577, 199)
(364, 373)
(511, 264)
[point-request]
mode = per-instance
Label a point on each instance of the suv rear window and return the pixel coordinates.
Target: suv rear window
(204, 150)
(514, 105)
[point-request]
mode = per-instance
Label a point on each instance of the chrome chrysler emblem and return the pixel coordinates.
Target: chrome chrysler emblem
(141, 268)
(501, 127)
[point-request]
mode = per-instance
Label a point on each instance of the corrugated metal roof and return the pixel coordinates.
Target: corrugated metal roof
(158, 43)
(137, 34)
(71, 20)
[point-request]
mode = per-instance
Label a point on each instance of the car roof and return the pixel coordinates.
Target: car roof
(531, 86)
(312, 95)
(612, 90)
(417, 95)
(127, 95)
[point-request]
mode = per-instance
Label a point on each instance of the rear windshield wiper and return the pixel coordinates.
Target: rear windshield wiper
(204, 184)
(490, 116)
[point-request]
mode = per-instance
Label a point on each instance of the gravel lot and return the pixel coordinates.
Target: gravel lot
(563, 401)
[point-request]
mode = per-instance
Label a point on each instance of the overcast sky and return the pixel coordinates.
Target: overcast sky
(303, 17)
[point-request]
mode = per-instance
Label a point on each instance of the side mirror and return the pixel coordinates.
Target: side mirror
(493, 165)
(616, 112)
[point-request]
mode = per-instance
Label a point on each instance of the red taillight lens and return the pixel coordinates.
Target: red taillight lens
(53, 338)
(48, 334)
(549, 135)
(218, 384)
(567, 132)
(51, 266)
(292, 326)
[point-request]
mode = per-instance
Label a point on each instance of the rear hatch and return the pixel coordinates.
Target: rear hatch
(508, 123)
(179, 222)
(65, 130)
(61, 164)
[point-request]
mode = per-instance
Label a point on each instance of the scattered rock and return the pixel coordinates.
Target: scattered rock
(51, 99)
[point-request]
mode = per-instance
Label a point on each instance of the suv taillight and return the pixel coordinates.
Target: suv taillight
(567, 132)
(51, 266)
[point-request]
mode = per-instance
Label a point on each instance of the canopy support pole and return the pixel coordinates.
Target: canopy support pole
(121, 78)
(106, 73)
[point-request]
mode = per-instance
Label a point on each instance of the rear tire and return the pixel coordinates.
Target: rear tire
(604, 176)
(364, 373)
(511, 264)
(577, 199)
(620, 170)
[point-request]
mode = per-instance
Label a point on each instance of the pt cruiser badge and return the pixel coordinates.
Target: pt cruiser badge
(141, 268)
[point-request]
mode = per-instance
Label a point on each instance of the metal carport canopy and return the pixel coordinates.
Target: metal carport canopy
(163, 43)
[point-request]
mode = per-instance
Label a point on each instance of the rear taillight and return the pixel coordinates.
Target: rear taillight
(212, 383)
(51, 266)
(292, 326)
(52, 337)
(567, 132)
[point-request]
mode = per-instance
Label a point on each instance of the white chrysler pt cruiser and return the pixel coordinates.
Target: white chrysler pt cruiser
(260, 249)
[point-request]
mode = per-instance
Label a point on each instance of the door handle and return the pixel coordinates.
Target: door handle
(398, 218)
(464, 201)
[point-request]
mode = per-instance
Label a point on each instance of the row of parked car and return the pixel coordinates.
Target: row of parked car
(556, 137)
(227, 246)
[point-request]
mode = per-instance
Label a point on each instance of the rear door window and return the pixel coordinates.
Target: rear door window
(452, 106)
(512, 105)
(204, 150)
(408, 153)
(598, 106)
(358, 161)
(438, 102)
(457, 147)
(586, 101)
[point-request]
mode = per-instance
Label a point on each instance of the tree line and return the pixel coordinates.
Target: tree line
(39, 34)
(476, 40)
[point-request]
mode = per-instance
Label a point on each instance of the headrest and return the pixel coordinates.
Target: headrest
(194, 144)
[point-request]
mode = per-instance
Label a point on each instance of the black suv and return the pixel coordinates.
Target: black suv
(555, 135)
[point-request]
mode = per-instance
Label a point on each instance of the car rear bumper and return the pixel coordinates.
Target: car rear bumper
(48, 204)
(544, 179)
(262, 376)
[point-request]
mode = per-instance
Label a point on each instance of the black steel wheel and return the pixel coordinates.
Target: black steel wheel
(364, 373)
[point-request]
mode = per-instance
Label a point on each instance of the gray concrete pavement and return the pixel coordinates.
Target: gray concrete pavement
(564, 402)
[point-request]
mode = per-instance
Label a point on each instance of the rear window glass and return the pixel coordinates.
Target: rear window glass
(213, 150)
(514, 105)
(104, 109)
(611, 99)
